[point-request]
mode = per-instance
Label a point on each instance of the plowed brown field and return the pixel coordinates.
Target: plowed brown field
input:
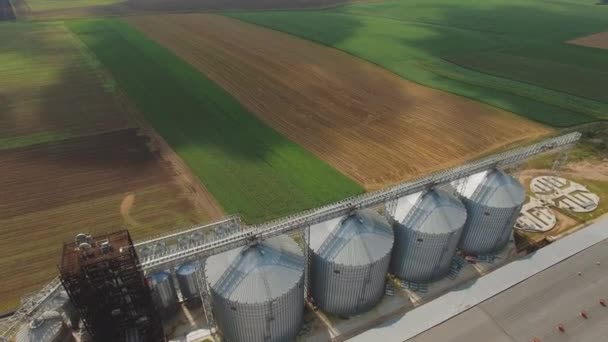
(92, 184)
(70, 163)
(365, 121)
(598, 40)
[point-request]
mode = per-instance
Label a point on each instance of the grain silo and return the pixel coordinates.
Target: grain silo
(428, 229)
(163, 291)
(186, 279)
(350, 259)
(493, 200)
(47, 327)
(258, 290)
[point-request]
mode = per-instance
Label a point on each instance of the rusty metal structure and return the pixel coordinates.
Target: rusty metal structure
(106, 285)
(166, 252)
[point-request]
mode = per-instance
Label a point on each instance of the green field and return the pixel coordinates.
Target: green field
(510, 54)
(248, 167)
(49, 5)
(50, 88)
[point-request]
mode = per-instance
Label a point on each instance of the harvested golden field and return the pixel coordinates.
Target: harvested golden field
(89, 184)
(370, 124)
(597, 40)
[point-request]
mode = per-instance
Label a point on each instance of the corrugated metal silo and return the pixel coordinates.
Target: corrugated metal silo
(428, 229)
(493, 200)
(186, 279)
(258, 291)
(163, 291)
(350, 259)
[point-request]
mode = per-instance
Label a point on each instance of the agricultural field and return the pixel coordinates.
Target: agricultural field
(67, 9)
(364, 121)
(51, 90)
(74, 158)
(509, 54)
(248, 167)
(41, 10)
(253, 121)
(597, 40)
(91, 184)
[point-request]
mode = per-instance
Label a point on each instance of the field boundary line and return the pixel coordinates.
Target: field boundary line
(447, 59)
(200, 196)
(522, 93)
(417, 22)
(73, 136)
(371, 62)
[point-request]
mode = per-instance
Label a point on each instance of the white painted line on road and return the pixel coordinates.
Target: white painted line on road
(464, 297)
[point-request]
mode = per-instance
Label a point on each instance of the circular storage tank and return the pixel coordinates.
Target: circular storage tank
(163, 291)
(350, 259)
(493, 200)
(61, 303)
(428, 229)
(48, 327)
(186, 279)
(258, 291)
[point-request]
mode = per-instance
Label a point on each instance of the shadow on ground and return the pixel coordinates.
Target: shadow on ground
(426, 42)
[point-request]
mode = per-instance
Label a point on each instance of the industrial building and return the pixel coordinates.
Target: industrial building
(251, 280)
(258, 290)
(427, 231)
(350, 259)
(493, 201)
(105, 284)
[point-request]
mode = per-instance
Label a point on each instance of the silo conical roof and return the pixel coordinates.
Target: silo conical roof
(431, 212)
(492, 188)
(361, 238)
(257, 273)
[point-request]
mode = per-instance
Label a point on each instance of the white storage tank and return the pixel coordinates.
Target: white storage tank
(61, 303)
(48, 327)
(258, 291)
(493, 200)
(163, 291)
(427, 231)
(186, 279)
(349, 261)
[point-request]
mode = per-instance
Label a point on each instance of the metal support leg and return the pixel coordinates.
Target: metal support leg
(390, 208)
(560, 161)
(516, 170)
(306, 234)
(173, 278)
(204, 293)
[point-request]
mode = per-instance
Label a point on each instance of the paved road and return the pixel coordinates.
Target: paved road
(536, 306)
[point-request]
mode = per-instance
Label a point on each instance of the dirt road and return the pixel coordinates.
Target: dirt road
(597, 40)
